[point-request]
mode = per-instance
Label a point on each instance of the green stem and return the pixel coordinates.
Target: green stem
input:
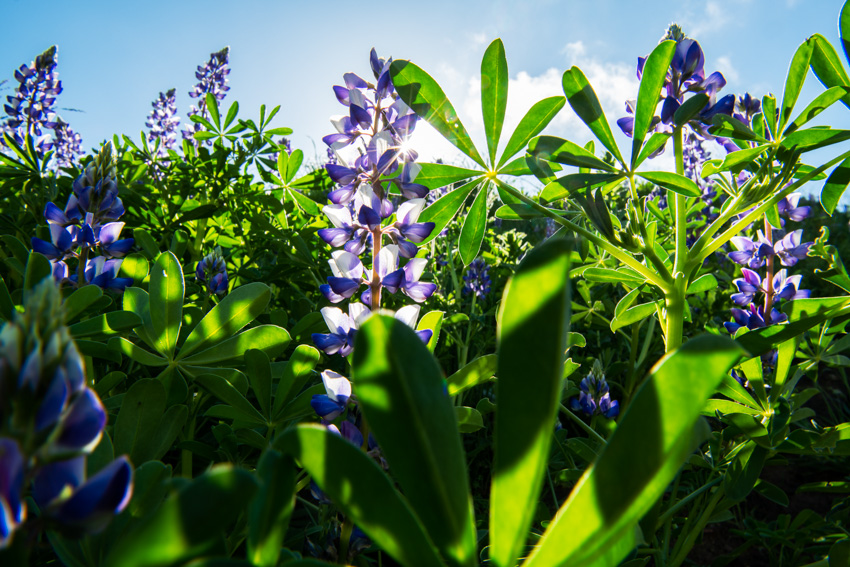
(674, 318)
(621, 255)
(686, 544)
(679, 206)
(580, 422)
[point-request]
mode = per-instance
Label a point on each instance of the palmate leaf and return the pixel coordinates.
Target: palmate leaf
(656, 434)
(494, 94)
(794, 81)
(436, 175)
(537, 118)
(533, 326)
(474, 227)
(166, 303)
(399, 381)
(652, 80)
(585, 103)
(444, 209)
(826, 64)
(425, 97)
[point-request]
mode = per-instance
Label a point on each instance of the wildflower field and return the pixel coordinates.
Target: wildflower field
(218, 352)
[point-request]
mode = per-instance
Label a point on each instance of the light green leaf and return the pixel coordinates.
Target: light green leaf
(672, 181)
(270, 339)
(474, 227)
(271, 508)
(563, 151)
(633, 315)
(424, 96)
(362, 491)
(136, 353)
(237, 309)
(652, 80)
(444, 209)
(399, 381)
(818, 105)
(656, 432)
(585, 103)
(537, 118)
(469, 420)
(432, 321)
(477, 372)
(835, 186)
(494, 94)
(797, 72)
(437, 175)
(166, 303)
(533, 323)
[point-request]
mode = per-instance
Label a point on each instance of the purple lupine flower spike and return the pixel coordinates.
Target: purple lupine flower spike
(476, 281)
(12, 508)
(212, 271)
(331, 404)
(30, 109)
(595, 397)
(790, 250)
(212, 79)
(163, 121)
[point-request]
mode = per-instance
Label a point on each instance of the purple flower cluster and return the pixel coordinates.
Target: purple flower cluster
(775, 286)
(595, 397)
(163, 122)
(212, 79)
(373, 135)
(49, 421)
(686, 74)
(30, 111)
(88, 224)
(476, 280)
(212, 272)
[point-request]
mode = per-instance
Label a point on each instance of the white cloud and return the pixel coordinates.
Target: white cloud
(724, 65)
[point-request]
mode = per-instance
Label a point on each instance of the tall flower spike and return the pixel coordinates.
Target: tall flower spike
(212, 79)
(163, 121)
(595, 397)
(212, 271)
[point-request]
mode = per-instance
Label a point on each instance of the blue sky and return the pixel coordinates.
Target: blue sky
(115, 57)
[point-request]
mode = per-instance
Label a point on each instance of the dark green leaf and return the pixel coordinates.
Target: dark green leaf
(730, 127)
(106, 325)
(537, 118)
(835, 186)
(136, 353)
(138, 420)
(469, 420)
(652, 80)
(259, 372)
(296, 372)
(7, 307)
(271, 508)
(80, 300)
(237, 309)
(474, 227)
(146, 242)
(188, 523)
(224, 391)
(827, 66)
(744, 470)
(821, 103)
(656, 141)
(399, 381)
(364, 493)
(633, 315)
(732, 160)
(38, 268)
(166, 303)
(702, 284)
(563, 151)
(654, 437)
(138, 301)
(494, 94)
(567, 185)
(533, 323)
(672, 181)
(814, 138)
(768, 109)
(584, 102)
(425, 97)
(690, 109)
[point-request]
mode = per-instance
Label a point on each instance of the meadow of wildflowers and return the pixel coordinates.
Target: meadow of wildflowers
(220, 352)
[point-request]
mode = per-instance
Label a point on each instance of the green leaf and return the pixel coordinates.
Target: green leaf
(138, 420)
(672, 181)
(237, 309)
(425, 97)
(821, 103)
(563, 151)
(584, 102)
(652, 440)
(568, 185)
(474, 227)
(469, 420)
(204, 136)
(212, 108)
(827, 66)
(106, 325)
(494, 94)
(7, 307)
(296, 158)
(362, 491)
(437, 175)
(656, 141)
(517, 168)
(146, 242)
(166, 303)
(399, 381)
(609, 275)
(814, 138)
(744, 470)
(654, 73)
(432, 321)
(794, 81)
(844, 31)
(296, 372)
(80, 300)
(537, 118)
(803, 314)
(533, 323)
(38, 268)
(730, 127)
(136, 353)
(633, 315)
(188, 523)
(835, 186)
(269, 514)
(224, 391)
(231, 114)
(259, 373)
(689, 109)
(137, 301)
(768, 108)
(444, 209)
(702, 284)
(477, 372)
(271, 339)
(733, 159)
(135, 266)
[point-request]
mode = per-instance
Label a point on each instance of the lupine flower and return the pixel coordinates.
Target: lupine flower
(348, 276)
(212, 79)
(49, 420)
(30, 109)
(595, 398)
(476, 281)
(753, 318)
(782, 286)
(338, 389)
(751, 253)
(789, 207)
(212, 271)
(406, 232)
(67, 145)
(343, 328)
(790, 249)
(685, 75)
(163, 121)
